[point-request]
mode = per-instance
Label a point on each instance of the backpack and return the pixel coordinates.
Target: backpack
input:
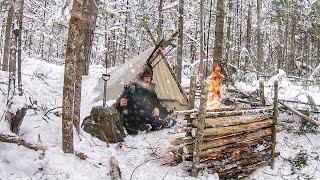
(104, 123)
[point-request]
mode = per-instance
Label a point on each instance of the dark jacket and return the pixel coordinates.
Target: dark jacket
(137, 115)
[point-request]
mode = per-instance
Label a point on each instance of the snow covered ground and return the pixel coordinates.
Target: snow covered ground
(145, 156)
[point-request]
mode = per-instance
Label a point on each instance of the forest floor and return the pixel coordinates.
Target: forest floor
(144, 156)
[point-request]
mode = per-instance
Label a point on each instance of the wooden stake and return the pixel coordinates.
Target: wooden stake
(261, 93)
(192, 91)
(275, 123)
(199, 136)
(115, 172)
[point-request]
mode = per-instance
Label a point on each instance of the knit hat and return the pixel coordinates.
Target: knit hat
(145, 72)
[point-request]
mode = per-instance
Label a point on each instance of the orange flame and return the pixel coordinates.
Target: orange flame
(215, 88)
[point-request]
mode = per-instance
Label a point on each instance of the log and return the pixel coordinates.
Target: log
(235, 112)
(233, 120)
(303, 117)
(18, 141)
(222, 131)
(243, 171)
(255, 142)
(213, 143)
(182, 141)
(115, 172)
(216, 155)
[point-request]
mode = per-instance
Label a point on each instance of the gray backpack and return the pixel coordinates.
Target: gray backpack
(104, 123)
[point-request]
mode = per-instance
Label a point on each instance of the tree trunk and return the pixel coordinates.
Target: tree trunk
(292, 60)
(180, 42)
(7, 40)
(248, 35)
(229, 36)
(218, 42)
(91, 25)
(160, 20)
(74, 57)
(19, 20)
(201, 65)
(259, 38)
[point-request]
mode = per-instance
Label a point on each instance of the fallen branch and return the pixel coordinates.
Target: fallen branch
(115, 170)
(18, 141)
(303, 117)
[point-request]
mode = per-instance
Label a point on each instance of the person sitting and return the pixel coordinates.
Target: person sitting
(139, 106)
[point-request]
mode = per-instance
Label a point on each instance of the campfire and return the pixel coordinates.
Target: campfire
(216, 91)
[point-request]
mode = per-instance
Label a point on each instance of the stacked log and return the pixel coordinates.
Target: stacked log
(235, 143)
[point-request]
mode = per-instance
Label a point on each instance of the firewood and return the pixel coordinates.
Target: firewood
(275, 122)
(115, 170)
(212, 143)
(221, 131)
(235, 112)
(17, 140)
(233, 120)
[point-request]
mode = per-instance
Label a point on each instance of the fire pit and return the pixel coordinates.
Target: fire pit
(230, 142)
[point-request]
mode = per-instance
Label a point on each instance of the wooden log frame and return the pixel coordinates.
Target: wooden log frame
(223, 131)
(209, 143)
(241, 150)
(235, 112)
(233, 120)
(199, 136)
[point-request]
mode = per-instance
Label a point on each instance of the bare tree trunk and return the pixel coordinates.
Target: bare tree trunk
(248, 35)
(259, 38)
(292, 60)
(160, 20)
(42, 34)
(201, 65)
(7, 40)
(92, 15)
(19, 15)
(74, 57)
(180, 42)
(218, 42)
(229, 36)
(125, 50)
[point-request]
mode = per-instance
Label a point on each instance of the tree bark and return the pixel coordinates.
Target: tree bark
(74, 57)
(217, 52)
(259, 38)
(248, 35)
(91, 25)
(201, 65)
(160, 20)
(180, 41)
(7, 40)
(19, 20)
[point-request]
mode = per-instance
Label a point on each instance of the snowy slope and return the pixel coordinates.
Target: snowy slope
(145, 156)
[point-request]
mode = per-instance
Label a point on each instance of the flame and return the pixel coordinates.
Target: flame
(215, 94)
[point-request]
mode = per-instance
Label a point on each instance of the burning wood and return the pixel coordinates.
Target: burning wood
(215, 94)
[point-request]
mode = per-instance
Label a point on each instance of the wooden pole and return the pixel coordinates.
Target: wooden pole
(192, 91)
(199, 136)
(303, 117)
(275, 123)
(261, 93)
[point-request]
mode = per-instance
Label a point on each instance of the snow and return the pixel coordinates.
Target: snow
(144, 156)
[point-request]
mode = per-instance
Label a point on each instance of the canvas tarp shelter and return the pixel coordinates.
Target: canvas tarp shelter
(167, 89)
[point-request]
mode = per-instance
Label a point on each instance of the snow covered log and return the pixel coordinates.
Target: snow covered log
(115, 170)
(235, 112)
(18, 141)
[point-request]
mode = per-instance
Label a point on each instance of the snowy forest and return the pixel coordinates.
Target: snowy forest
(159, 89)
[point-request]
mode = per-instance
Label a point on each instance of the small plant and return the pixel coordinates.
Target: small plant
(300, 161)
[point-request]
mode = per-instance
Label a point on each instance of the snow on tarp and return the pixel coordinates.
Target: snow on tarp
(167, 89)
